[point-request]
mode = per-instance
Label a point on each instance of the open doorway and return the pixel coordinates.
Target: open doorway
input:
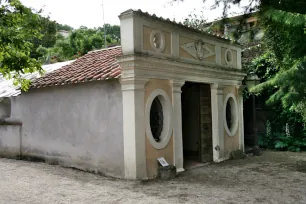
(196, 124)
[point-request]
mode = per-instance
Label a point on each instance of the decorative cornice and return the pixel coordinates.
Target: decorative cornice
(131, 83)
(131, 12)
(172, 65)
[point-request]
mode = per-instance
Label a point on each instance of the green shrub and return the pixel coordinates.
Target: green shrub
(280, 141)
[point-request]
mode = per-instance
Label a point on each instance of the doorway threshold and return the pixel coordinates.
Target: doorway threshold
(190, 164)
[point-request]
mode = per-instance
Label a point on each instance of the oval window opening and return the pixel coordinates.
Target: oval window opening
(228, 115)
(156, 119)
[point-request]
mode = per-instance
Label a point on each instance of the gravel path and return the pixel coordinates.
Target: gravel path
(271, 178)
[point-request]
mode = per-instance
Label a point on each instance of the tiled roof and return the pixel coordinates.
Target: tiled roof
(8, 89)
(96, 65)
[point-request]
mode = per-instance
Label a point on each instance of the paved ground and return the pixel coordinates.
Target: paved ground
(271, 178)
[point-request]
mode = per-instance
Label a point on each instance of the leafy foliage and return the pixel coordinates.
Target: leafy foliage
(281, 67)
(279, 141)
(287, 43)
(283, 120)
(78, 43)
(19, 26)
(48, 36)
(63, 27)
(196, 21)
(284, 24)
(27, 39)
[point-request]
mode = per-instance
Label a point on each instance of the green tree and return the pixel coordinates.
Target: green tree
(113, 31)
(19, 25)
(284, 24)
(196, 21)
(48, 36)
(79, 42)
(63, 27)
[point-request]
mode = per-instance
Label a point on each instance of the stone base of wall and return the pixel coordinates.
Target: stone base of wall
(11, 154)
(12, 147)
(10, 141)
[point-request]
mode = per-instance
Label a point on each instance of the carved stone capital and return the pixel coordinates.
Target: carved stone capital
(217, 87)
(129, 84)
(177, 85)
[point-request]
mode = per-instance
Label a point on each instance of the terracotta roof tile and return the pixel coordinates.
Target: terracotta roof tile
(96, 65)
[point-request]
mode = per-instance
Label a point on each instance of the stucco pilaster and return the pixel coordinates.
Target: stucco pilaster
(217, 122)
(239, 65)
(240, 90)
(133, 95)
(218, 55)
(177, 125)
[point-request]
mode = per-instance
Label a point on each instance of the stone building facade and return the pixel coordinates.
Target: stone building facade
(168, 91)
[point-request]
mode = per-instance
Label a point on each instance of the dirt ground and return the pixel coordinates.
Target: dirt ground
(270, 178)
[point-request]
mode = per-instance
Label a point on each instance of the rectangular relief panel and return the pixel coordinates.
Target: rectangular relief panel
(197, 50)
(156, 40)
(228, 57)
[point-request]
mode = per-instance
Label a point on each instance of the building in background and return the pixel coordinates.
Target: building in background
(64, 33)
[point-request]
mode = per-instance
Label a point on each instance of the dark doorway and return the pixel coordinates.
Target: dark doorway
(196, 123)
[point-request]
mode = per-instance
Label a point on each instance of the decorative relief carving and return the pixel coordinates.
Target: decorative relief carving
(157, 40)
(229, 57)
(198, 49)
(199, 46)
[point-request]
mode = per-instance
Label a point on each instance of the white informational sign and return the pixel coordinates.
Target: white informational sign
(162, 161)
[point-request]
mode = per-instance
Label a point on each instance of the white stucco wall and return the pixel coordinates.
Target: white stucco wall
(9, 140)
(5, 107)
(80, 125)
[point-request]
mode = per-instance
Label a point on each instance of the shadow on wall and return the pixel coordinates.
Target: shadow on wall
(5, 108)
(10, 131)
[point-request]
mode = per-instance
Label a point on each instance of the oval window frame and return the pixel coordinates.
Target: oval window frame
(234, 111)
(162, 40)
(167, 121)
(229, 62)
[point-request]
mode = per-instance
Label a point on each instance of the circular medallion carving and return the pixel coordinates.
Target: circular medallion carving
(157, 40)
(229, 58)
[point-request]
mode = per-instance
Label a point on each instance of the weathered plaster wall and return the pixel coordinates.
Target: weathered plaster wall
(231, 143)
(80, 125)
(5, 108)
(9, 140)
(151, 153)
